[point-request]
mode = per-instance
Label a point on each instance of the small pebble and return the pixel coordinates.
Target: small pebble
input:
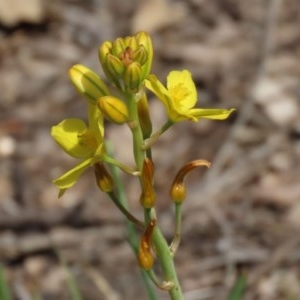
(7, 146)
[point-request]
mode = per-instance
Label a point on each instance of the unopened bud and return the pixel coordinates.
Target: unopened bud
(144, 116)
(103, 178)
(104, 49)
(118, 46)
(87, 82)
(114, 66)
(132, 77)
(145, 257)
(113, 109)
(144, 39)
(140, 55)
(131, 42)
(178, 190)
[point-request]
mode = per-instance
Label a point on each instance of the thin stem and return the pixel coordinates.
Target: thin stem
(132, 235)
(136, 130)
(125, 212)
(120, 165)
(165, 286)
(177, 236)
(165, 257)
(161, 247)
(148, 143)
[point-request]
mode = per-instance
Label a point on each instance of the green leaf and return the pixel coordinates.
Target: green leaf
(238, 289)
(4, 289)
(72, 285)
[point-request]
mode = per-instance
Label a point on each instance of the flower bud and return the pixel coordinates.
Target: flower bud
(118, 46)
(148, 196)
(87, 82)
(131, 42)
(132, 77)
(103, 178)
(178, 190)
(114, 66)
(104, 49)
(144, 116)
(144, 39)
(113, 109)
(145, 257)
(140, 55)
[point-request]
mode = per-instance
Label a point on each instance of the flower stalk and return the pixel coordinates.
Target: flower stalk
(127, 62)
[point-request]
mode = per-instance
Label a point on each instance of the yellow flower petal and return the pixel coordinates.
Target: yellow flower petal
(211, 113)
(67, 135)
(96, 122)
(182, 90)
(70, 178)
(158, 89)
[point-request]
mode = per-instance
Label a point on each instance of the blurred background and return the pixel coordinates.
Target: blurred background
(241, 217)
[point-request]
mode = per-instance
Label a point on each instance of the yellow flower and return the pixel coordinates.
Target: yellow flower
(180, 96)
(79, 141)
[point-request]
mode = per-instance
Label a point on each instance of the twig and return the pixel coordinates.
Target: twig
(102, 284)
(13, 246)
(283, 252)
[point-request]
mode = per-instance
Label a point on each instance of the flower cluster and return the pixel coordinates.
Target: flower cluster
(127, 62)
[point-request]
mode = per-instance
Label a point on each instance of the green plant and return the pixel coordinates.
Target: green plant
(126, 63)
(4, 289)
(238, 289)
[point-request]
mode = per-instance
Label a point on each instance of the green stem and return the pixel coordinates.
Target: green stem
(118, 164)
(148, 143)
(4, 288)
(165, 257)
(125, 212)
(177, 236)
(136, 130)
(132, 235)
(161, 247)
